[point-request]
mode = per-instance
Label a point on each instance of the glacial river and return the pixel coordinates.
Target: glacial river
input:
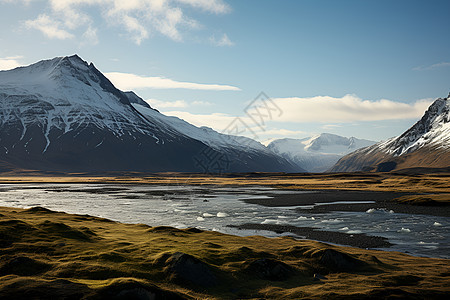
(213, 208)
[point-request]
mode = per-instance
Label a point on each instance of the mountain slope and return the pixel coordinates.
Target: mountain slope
(425, 144)
(65, 115)
(317, 153)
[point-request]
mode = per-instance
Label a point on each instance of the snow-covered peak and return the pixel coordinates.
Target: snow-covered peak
(65, 93)
(433, 129)
(325, 143)
(317, 153)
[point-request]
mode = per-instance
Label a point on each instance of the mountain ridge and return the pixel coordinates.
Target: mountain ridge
(63, 114)
(425, 144)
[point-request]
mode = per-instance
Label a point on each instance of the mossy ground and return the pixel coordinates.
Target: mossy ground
(46, 254)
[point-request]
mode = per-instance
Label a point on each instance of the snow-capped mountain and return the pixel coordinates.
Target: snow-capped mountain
(425, 144)
(65, 115)
(318, 153)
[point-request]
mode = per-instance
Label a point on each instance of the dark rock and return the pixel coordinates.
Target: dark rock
(318, 277)
(270, 269)
(188, 268)
(340, 262)
(39, 209)
(194, 230)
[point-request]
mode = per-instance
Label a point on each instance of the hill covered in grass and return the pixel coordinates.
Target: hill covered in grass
(46, 254)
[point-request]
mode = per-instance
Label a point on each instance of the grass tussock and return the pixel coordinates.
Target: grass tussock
(49, 255)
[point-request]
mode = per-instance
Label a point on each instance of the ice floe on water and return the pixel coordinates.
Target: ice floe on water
(379, 210)
(354, 231)
(404, 230)
(332, 221)
(274, 221)
(222, 215)
(437, 224)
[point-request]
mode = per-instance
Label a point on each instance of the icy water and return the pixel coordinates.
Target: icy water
(213, 208)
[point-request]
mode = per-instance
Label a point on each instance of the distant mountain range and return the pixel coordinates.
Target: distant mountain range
(425, 145)
(64, 115)
(318, 153)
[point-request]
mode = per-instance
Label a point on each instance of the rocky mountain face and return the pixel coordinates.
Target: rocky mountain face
(64, 115)
(425, 145)
(318, 153)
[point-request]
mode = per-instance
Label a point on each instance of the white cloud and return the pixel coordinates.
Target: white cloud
(90, 36)
(158, 104)
(432, 67)
(280, 132)
(202, 103)
(139, 18)
(222, 122)
(346, 109)
(11, 62)
(49, 27)
(217, 121)
(224, 41)
(215, 6)
(138, 31)
(331, 126)
(126, 81)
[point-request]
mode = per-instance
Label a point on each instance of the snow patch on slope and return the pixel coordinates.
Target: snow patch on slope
(432, 130)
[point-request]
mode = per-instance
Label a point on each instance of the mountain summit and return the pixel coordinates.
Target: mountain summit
(64, 115)
(317, 153)
(425, 144)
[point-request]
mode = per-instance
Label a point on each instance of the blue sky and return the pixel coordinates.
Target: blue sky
(355, 68)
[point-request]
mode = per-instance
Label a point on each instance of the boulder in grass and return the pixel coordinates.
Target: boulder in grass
(270, 269)
(188, 268)
(340, 262)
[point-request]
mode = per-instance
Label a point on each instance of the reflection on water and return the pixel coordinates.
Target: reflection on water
(213, 208)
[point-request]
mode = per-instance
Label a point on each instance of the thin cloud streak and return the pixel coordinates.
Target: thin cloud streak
(432, 67)
(126, 81)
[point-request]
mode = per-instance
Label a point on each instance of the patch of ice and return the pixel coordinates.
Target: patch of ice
(379, 210)
(404, 230)
(354, 231)
(344, 228)
(207, 215)
(437, 224)
(332, 221)
(200, 219)
(222, 215)
(272, 221)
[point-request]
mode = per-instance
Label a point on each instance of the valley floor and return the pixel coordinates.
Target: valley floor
(46, 254)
